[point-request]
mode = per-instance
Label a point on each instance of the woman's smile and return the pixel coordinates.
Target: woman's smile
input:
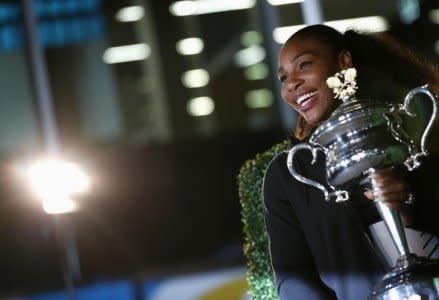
(306, 101)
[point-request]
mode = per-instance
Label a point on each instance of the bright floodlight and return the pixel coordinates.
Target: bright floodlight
(55, 181)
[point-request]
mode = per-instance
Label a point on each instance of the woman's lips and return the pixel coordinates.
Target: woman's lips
(304, 97)
(305, 102)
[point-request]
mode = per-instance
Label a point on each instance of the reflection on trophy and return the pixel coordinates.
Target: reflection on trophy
(358, 138)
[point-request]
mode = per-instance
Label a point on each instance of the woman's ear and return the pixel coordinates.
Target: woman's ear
(345, 59)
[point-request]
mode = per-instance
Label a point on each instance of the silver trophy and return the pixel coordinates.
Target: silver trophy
(358, 138)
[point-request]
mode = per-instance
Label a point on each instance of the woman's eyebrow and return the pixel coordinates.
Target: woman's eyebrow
(292, 60)
(300, 55)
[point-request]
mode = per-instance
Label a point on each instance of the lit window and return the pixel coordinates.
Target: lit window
(130, 14)
(261, 98)
(190, 46)
(251, 38)
(256, 72)
(200, 7)
(250, 56)
(126, 53)
(195, 78)
(200, 106)
(283, 2)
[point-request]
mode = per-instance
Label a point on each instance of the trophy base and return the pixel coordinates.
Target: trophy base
(412, 278)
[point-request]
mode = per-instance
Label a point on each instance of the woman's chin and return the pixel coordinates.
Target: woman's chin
(313, 120)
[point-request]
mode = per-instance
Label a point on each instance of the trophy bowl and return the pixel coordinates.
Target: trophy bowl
(359, 137)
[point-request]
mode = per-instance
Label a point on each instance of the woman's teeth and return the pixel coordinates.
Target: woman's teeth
(305, 97)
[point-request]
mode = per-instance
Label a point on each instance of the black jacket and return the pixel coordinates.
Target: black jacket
(319, 249)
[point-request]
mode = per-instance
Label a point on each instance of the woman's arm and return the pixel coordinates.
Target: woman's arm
(295, 274)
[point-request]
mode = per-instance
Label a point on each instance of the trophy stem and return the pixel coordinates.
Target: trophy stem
(394, 225)
(392, 219)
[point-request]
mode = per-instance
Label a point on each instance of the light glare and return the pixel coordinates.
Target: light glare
(200, 7)
(120, 54)
(59, 205)
(190, 46)
(200, 106)
(366, 24)
(195, 78)
(54, 181)
(130, 14)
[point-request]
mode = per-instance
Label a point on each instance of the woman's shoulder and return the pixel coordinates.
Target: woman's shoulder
(278, 162)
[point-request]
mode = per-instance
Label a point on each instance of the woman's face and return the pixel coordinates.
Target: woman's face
(304, 66)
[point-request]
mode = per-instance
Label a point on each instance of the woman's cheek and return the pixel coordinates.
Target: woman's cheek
(284, 95)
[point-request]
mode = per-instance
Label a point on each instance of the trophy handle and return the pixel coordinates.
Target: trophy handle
(340, 195)
(412, 162)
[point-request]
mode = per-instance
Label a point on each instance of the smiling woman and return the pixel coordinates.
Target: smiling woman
(324, 250)
(304, 65)
(321, 51)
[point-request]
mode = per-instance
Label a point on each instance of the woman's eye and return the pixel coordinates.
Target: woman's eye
(282, 78)
(304, 65)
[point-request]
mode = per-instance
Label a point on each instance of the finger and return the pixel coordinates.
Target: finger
(380, 176)
(390, 182)
(388, 174)
(394, 200)
(393, 197)
(369, 194)
(392, 187)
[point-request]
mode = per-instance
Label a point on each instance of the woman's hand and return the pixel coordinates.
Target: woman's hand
(391, 188)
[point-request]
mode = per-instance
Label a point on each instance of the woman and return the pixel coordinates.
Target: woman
(319, 249)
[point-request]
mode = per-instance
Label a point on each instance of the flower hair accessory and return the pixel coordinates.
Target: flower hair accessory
(343, 84)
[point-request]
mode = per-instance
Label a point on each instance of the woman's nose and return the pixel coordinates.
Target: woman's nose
(294, 83)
